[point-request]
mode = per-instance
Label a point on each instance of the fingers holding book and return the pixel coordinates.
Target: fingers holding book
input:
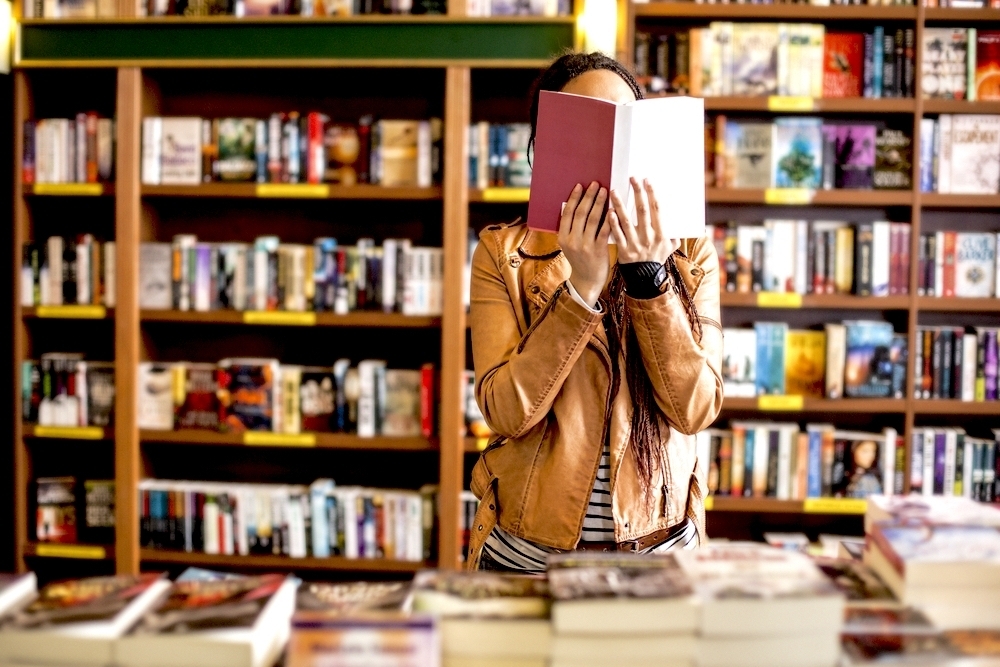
(584, 240)
(642, 240)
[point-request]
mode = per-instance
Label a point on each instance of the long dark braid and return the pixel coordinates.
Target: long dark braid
(646, 413)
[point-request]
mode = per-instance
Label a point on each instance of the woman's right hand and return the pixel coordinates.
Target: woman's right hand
(584, 240)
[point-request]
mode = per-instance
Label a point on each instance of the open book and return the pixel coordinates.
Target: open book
(584, 139)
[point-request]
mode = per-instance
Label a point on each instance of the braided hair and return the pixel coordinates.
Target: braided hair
(645, 436)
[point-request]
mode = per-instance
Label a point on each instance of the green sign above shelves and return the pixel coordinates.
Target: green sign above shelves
(416, 41)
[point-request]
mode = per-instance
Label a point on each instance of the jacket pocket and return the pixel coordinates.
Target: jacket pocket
(482, 477)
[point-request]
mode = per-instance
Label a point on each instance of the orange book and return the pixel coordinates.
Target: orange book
(988, 65)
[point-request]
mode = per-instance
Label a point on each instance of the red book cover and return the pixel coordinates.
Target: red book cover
(843, 62)
(895, 243)
(571, 130)
(427, 400)
(317, 151)
(948, 279)
(988, 65)
(904, 259)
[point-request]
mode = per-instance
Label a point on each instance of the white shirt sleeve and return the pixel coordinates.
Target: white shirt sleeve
(579, 299)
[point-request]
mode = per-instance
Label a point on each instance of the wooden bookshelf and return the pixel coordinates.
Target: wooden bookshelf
(814, 301)
(851, 105)
(961, 106)
(955, 407)
(356, 319)
(961, 16)
(92, 433)
(872, 406)
(70, 190)
(279, 563)
(931, 304)
(307, 440)
(774, 12)
(833, 506)
(290, 191)
(935, 200)
(67, 313)
(793, 197)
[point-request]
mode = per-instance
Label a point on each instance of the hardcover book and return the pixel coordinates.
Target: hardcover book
(843, 62)
(353, 596)
(755, 59)
(481, 594)
(624, 140)
(318, 399)
(975, 154)
(987, 65)
(402, 403)
(770, 357)
(868, 365)
(180, 158)
(739, 363)
(858, 582)
(797, 153)
(943, 73)
(857, 464)
(748, 145)
(247, 394)
(326, 639)
(237, 157)
(55, 514)
(198, 406)
(855, 156)
(805, 363)
(975, 262)
(893, 160)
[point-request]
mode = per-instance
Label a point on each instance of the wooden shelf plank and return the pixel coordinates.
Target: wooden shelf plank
(74, 551)
(816, 405)
(774, 12)
(250, 191)
(935, 200)
(67, 313)
(955, 407)
(853, 105)
(499, 195)
(281, 563)
(821, 301)
(874, 198)
(312, 440)
(961, 16)
(362, 19)
(933, 304)
(827, 506)
(356, 319)
(34, 431)
(962, 106)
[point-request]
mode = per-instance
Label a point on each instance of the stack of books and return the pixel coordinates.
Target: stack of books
(487, 619)
(611, 609)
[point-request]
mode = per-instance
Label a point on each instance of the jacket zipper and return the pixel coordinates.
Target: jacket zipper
(541, 316)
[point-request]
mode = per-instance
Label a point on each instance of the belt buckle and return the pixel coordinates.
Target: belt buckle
(632, 546)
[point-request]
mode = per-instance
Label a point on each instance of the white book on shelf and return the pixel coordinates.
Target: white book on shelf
(968, 465)
(368, 408)
(54, 246)
(889, 460)
(110, 274)
(152, 148)
(970, 350)
(943, 140)
(881, 257)
(928, 488)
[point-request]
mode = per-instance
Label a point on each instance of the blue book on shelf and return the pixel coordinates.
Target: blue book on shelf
(748, 461)
(814, 477)
(770, 357)
(877, 61)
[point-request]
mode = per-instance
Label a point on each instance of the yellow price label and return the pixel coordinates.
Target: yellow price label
(75, 189)
(71, 432)
(789, 103)
(279, 317)
(709, 503)
(788, 196)
(72, 312)
(293, 190)
(482, 443)
(834, 505)
(70, 551)
(779, 300)
(779, 403)
(510, 195)
(264, 439)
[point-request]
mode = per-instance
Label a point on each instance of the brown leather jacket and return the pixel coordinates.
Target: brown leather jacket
(543, 381)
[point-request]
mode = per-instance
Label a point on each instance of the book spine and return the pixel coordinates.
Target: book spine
(878, 70)
(864, 259)
(868, 71)
(944, 155)
(152, 146)
(427, 400)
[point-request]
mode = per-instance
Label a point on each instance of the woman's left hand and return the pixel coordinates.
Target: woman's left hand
(643, 241)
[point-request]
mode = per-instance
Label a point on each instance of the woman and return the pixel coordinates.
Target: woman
(595, 365)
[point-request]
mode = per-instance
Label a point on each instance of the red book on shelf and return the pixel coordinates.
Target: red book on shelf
(948, 277)
(427, 401)
(843, 63)
(584, 139)
(988, 65)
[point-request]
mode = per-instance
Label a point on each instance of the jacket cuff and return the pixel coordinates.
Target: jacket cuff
(643, 280)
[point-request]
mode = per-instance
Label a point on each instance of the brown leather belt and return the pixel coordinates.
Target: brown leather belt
(640, 544)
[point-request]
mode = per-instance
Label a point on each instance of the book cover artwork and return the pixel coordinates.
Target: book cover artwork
(944, 64)
(798, 152)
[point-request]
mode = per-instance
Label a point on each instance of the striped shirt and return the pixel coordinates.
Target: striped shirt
(598, 526)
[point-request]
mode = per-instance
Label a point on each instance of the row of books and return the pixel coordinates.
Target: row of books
(789, 59)
(246, 394)
(71, 510)
(815, 257)
(807, 152)
(77, 9)
(68, 150)
(319, 520)
(960, 154)
(962, 264)
(963, 4)
(483, 8)
(498, 155)
(268, 275)
(961, 64)
(950, 363)
(947, 462)
(814, 3)
(64, 271)
(291, 148)
(853, 359)
(780, 460)
(63, 389)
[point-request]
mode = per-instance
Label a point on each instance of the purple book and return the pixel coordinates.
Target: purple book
(939, 446)
(990, 367)
(855, 156)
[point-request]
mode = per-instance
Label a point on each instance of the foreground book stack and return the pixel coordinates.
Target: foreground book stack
(487, 619)
(611, 609)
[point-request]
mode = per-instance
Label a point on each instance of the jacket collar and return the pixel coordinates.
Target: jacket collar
(539, 245)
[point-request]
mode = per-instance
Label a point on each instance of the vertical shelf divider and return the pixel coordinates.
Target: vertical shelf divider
(127, 336)
(458, 84)
(22, 112)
